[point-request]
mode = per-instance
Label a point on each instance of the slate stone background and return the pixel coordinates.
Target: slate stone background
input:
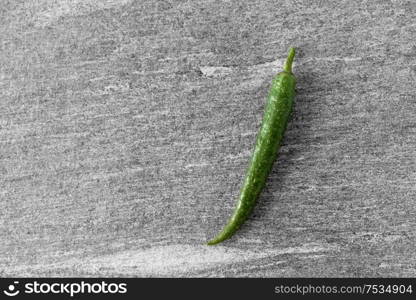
(126, 128)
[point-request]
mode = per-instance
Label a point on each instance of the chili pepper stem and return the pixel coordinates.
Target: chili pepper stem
(287, 67)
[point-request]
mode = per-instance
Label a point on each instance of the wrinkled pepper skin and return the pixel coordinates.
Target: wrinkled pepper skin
(276, 116)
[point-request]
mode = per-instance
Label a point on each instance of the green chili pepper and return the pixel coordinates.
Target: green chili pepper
(276, 116)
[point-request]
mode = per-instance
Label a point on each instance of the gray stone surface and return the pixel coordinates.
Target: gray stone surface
(126, 127)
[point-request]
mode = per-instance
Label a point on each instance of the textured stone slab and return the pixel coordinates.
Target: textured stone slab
(126, 128)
